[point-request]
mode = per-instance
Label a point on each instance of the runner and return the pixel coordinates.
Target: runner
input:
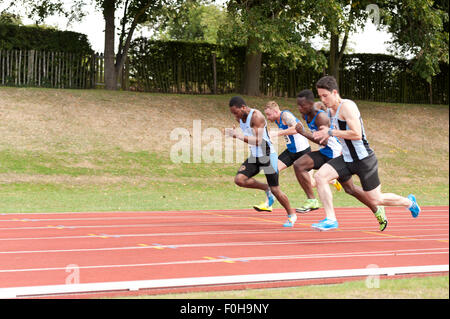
(331, 148)
(315, 118)
(263, 156)
(357, 159)
(296, 144)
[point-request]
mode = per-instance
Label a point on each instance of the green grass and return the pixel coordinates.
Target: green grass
(94, 150)
(433, 287)
(144, 181)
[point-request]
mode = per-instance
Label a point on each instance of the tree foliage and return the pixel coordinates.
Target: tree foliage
(420, 28)
(281, 27)
(193, 21)
(10, 18)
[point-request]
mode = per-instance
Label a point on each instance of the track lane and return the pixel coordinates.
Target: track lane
(136, 245)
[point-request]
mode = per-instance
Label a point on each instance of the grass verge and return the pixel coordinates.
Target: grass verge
(432, 287)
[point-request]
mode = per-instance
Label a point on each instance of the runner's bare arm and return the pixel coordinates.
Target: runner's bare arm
(321, 120)
(257, 124)
(349, 113)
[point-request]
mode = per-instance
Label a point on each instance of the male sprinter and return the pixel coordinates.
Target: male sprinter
(263, 156)
(331, 148)
(357, 159)
(314, 119)
(297, 145)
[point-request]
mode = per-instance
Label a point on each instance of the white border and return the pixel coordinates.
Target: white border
(215, 280)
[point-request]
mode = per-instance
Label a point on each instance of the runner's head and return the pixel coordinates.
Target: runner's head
(305, 101)
(328, 90)
(238, 107)
(272, 111)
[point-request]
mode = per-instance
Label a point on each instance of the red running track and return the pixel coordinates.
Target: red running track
(47, 249)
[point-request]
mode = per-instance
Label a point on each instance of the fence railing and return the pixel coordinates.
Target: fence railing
(49, 69)
(363, 77)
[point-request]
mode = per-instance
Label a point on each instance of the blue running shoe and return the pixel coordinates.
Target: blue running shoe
(290, 221)
(320, 221)
(414, 209)
(271, 200)
(327, 224)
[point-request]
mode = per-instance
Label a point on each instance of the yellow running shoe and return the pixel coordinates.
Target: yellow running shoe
(337, 185)
(381, 217)
(263, 207)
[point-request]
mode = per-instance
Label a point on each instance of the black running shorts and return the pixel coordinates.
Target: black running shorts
(318, 159)
(289, 158)
(366, 169)
(269, 164)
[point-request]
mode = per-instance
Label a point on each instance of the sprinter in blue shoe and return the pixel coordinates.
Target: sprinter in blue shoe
(357, 156)
(296, 144)
(263, 155)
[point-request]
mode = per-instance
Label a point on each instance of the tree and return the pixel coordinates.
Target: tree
(279, 27)
(10, 18)
(135, 12)
(193, 21)
(419, 28)
(335, 21)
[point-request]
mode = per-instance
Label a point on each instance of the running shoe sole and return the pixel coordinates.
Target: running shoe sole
(261, 210)
(302, 211)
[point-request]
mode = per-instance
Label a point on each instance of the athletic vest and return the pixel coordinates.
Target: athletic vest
(266, 148)
(352, 150)
(295, 143)
(333, 148)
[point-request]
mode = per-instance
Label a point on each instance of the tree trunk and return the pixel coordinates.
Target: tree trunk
(252, 72)
(333, 68)
(336, 54)
(430, 86)
(110, 70)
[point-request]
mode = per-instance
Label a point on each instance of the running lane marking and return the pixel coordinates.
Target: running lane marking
(396, 236)
(255, 218)
(226, 244)
(401, 252)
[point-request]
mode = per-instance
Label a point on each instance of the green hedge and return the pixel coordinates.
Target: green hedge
(184, 67)
(14, 37)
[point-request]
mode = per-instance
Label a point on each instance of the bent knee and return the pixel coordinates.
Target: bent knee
(240, 180)
(349, 189)
(276, 190)
(321, 178)
(376, 199)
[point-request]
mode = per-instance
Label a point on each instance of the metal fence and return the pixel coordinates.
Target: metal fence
(50, 69)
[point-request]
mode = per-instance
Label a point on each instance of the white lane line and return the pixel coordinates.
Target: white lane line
(346, 219)
(190, 224)
(187, 224)
(401, 252)
(329, 241)
(220, 232)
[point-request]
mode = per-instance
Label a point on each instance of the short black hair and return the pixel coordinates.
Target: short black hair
(237, 101)
(327, 82)
(307, 94)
